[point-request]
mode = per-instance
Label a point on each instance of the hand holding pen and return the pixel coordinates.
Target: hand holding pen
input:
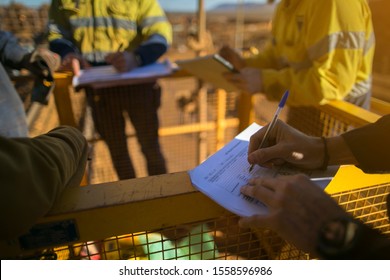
(272, 124)
(285, 144)
(122, 60)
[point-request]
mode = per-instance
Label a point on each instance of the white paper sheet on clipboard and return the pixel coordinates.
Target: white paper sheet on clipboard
(223, 174)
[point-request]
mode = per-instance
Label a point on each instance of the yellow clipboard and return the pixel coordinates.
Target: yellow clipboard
(210, 69)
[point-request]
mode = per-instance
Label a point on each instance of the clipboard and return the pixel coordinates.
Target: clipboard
(106, 76)
(210, 68)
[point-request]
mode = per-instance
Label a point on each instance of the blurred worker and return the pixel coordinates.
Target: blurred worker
(126, 34)
(34, 172)
(300, 211)
(40, 62)
(319, 50)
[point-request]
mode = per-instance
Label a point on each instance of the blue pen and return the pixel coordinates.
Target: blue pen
(273, 122)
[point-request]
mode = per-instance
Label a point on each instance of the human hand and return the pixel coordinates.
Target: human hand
(232, 56)
(74, 62)
(297, 209)
(42, 62)
(286, 144)
(247, 80)
(122, 61)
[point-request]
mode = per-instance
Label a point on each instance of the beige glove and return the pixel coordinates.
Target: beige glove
(43, 62)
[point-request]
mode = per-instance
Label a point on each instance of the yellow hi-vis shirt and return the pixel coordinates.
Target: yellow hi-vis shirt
(320, 50)
(100, 27)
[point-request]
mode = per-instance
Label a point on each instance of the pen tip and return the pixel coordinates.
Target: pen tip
(284, 99)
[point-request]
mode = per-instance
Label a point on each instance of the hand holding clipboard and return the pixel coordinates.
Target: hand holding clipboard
(211, 69)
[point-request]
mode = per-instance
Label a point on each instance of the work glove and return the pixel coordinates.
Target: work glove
(42, 63)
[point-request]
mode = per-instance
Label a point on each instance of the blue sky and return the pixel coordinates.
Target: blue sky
(168, 5)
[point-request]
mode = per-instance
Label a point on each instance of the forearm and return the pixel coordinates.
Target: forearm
(366, 147)
(339, 152)
(370, 146)
(34, 173)
(373, 245)
(152, 50)
(11, 53)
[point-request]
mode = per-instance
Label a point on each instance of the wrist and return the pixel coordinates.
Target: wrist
(339, 152)
(325, 154)
(316, 151)
(138, 59)
(347, 238)
(337, 238)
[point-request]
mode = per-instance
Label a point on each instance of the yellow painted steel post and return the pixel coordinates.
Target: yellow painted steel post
(201, 88)
(62, 100)
(239, 34)
(201, 21)
(221, 115)
(63, 103)
(202, 115)
(246, 112)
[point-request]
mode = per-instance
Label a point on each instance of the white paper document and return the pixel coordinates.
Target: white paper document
(108, 73)
(223, 174)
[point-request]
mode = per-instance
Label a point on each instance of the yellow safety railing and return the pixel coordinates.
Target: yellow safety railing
(145, 217)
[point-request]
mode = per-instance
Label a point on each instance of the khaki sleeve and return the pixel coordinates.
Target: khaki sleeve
(34, 172)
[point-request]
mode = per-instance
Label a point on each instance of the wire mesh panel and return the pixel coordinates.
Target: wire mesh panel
(219, 238)
(313, 121)
(183, 133)
(330, 119)
(216, 239)
(182, 224)
(369, 205)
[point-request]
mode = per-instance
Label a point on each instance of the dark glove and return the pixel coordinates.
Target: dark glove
(42, 89)
(42, 63)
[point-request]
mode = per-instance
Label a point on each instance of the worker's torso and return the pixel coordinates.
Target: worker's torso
(104, 26)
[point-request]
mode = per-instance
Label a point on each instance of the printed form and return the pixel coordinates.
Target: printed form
(223, 174)
(107, 73)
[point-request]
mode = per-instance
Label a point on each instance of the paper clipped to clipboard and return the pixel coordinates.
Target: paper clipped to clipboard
(222, 175)
(209, 68)
(107, 74)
